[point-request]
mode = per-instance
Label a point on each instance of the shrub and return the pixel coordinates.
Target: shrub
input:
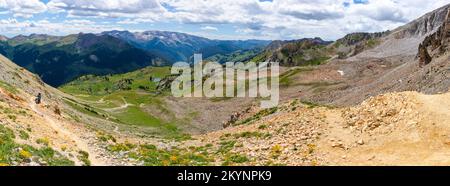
(25, 154)
(84, 157)
(276, 151)
(57, 111)
(24, 135)
(43, 141)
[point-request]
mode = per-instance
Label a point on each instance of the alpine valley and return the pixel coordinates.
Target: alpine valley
(104, 99)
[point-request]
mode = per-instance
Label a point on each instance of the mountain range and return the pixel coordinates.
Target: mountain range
(60, 59)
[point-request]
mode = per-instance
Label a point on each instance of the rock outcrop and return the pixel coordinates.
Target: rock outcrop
(436, 43)
(166, 83)
(355, 43)
(424, 25)
(423, 55)
(307, 51)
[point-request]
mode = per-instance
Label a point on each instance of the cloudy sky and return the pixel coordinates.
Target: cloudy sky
(218, 19)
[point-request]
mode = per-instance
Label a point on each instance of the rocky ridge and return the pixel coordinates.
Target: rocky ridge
(436, 43)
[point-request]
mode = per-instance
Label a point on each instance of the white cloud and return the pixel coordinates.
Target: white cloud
(109, 8)
(284, 19)
(209, 28)
(12, 27)
(309, 10)
(22, 8)
(277, 19)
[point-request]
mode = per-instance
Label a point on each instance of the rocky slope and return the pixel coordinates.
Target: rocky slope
(369, 126)
(384, 130)
(393, 65)
(406, 39)
(307, 51)
(50, 133)
(435, 44)
(355, 43)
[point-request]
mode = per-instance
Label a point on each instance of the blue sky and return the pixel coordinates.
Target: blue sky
(217, 19)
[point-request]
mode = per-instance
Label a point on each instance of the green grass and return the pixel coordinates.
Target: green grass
(372, 43)
(232, 158)
(152, 156)
(34, 41)
(251, 135)
(261, 57)
(104, 96)
(9, 151)
(310, 104)
(258, 116)
(8, 87)
(24, 135)
(103, 85)
(238, 56)
(317, 61)
(226, 146)
(187, 156)
(135, 114)
(286, 78)
(106, 137)
(85, 109)
(84, 157)
(318, 86)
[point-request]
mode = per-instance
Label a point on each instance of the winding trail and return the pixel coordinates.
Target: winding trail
(122, 107)
(80, 143)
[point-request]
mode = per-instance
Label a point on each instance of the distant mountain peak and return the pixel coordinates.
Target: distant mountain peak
(181, 46)
(3, 38)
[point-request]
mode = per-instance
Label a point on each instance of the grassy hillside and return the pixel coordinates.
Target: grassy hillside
(13, 153)
(303, 52)
(239, 56)
(141, 80)
(130, 99)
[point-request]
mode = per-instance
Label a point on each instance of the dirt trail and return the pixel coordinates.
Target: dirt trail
(423, 131)
(405, 128)
(124, 106)
(80, 143)
(438, 104)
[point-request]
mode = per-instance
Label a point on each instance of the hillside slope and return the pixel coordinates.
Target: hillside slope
(406, 39)
(384, 130)
(181, 47)
(58, 60)
(302, 52)
(50, 133)
(394, 64)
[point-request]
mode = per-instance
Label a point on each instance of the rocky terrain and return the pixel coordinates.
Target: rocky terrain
(308, 51)
(384, 130)
(367, 99)
(49, 133)
(435, 44)
(392, 65)
(355, 43)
